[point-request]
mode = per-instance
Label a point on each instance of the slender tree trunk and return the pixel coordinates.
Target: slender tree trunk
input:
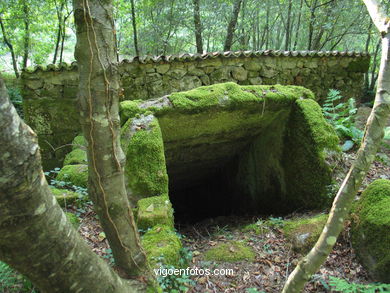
(232, 26)
(26, 39)
(11, 49)
(134, 22)
(198, 28)
(298, 25)
(99, 102)
(36, 237)
(58, 39)
(372, 137)
(288, 27)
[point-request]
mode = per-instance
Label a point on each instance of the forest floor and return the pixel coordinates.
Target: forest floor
(274, 259)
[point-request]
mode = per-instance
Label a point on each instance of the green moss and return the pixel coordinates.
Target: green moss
(76, 174)
(153, 211)
(258, 228)
(308, 137)
(304, 232)
(73, 219)
(64, 196)
(231, 96)
(77, 156)
(128, 109)
(370, 229)
(145, 165)
(162, 246)
(79, 142)
(230, 251)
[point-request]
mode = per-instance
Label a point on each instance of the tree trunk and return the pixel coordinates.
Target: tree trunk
(288, 27)
(366, 154)
(36, 237)
(99, 102)
(11, 49)
(135, 35)
(198, 28)
(298, 25)
(26, 40)
(232, 26)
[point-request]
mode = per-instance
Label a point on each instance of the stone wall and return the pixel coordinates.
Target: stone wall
(50, 92)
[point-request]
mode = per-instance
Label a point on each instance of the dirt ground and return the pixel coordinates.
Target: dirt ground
(274, 259)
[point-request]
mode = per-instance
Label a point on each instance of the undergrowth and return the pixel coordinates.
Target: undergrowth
(341, 115)
(13, 282)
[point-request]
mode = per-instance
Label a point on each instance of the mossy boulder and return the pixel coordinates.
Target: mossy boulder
(162, 246)
(79, 142)
(371, 229)
(153, 211)
(230, 251)
(64, 196)
(75, 174)
(76, 156)
(303, 233)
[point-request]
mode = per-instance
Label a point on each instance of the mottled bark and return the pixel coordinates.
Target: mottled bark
(232, 26)
(198, 28)
(36, 237)
(10, 47)
(365, 156)
(99, 102)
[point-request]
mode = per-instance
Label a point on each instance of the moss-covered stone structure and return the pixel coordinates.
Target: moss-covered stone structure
(371, 229)
(229, 149)
(50, 92)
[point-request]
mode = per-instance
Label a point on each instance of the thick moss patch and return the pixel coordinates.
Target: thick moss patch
(75, 174)
(304, 232)
(230, 251)
(162, 246)
(77, 156)
(79, 142)
(153, 211)
(370, 229)
(145, 161)
(64, 196)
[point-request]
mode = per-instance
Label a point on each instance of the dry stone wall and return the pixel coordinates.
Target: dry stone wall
(50, 93)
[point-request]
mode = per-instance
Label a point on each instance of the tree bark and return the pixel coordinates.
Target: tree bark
(365, 156)
(232, 26)
(36, 237)
(135, 35)
(99, 102)
(11, 49)
(198, 28)
(26, 39)
(288, 27)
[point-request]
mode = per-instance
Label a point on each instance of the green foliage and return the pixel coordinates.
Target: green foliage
(341, 116)
(13, 282)
(177, 283)
(275, 222)
(16, 99)
(341, 285)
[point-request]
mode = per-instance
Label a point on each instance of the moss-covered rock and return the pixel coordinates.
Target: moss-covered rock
(371, 229)
(75, 174)
(155, 210)
(79, 142)
(162, 246)
(77, 156)
(304, 232)
(145, 164)
(64, 196)
(230, 251)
